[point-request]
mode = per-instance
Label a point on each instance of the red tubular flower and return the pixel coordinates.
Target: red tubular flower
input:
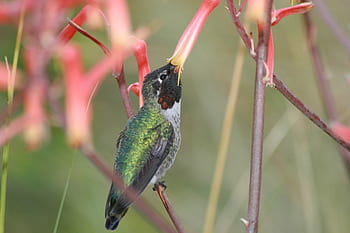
(77, 112)
(36, 130)
(140, 52)
(79, 88)
(276, 16)
(68, 4)
(279, 14)
(10, 11)
(118, 15)
(135, 88)
(270, 60)
(34, 99)
(68, 32)
(190, 35)
(122, 42)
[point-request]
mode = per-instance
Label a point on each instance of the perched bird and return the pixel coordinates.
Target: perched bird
(147, 147)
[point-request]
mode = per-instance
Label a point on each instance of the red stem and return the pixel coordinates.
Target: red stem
(170, 210)
(240, 29)
(279, 85)
(123, 89)
(91, 37)
(318, 68)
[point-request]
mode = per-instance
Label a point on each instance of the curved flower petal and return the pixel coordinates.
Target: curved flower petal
(135, 88)
(301, 8)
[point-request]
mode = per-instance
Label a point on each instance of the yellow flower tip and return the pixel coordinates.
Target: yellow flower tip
(179, 78)
(178, 69)
(179, 57)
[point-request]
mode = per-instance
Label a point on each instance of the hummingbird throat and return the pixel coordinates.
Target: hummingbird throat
(167, 88)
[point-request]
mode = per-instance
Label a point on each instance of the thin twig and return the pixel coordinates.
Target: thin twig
(258, 123)
(332, 24)
(124, 93)
(91, 37)
(240, 28)
(170, 210)
(324, 88)
(119, 77)
(283, 89)
(117, 181)
(279, 85)
(318, 67)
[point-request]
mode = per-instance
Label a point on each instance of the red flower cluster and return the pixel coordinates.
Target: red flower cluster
(45, 41)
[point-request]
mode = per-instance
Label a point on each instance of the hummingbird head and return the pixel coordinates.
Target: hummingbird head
(162, 87)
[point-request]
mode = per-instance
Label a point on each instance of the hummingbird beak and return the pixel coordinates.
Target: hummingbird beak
(190, 35)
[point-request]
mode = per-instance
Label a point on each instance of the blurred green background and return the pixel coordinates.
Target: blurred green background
(305, 187)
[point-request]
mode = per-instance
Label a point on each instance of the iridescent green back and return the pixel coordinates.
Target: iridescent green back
(139, 138)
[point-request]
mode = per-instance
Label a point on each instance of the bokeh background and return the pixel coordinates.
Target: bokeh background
(305, 187)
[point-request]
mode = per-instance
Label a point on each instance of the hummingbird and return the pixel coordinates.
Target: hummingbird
(148, 145)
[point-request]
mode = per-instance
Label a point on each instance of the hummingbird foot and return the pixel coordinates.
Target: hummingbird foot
(159, 183)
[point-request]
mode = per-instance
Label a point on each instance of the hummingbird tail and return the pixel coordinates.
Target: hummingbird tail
(112, 221)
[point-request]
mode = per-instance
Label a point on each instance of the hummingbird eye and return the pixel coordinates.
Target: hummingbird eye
(162, 76)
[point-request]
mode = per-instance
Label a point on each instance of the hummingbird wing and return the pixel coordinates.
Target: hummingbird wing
(159, 152)
(140, 152)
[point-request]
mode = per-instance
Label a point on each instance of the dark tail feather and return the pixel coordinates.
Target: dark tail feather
(116, 207)
(112, 221)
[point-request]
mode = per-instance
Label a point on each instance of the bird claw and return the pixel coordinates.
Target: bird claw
(159, 183)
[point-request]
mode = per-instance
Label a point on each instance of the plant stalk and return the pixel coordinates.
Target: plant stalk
(258, 123)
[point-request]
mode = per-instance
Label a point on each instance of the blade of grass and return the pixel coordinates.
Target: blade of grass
(5, 154)
(64, 194)
(6, 149)
(224, 141)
